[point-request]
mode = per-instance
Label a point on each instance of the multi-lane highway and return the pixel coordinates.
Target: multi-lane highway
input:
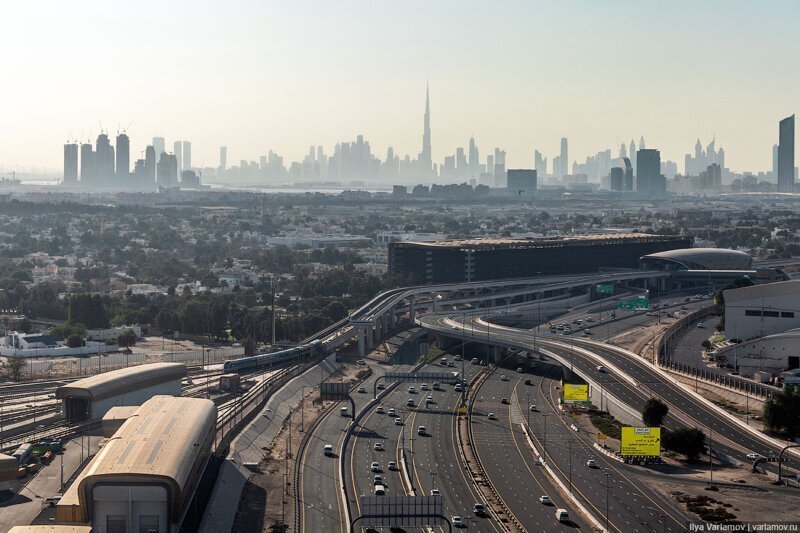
(631, 380)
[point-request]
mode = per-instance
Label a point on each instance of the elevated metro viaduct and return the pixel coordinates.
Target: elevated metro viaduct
(92, 397)
(372, 322)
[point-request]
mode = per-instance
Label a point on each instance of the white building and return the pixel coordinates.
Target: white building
(762, 310)
(774, 354)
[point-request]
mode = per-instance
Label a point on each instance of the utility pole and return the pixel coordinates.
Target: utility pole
(272, 287)
(302, 398)
(607, 474)
(569, 442)
(710, 455)
(545, 415)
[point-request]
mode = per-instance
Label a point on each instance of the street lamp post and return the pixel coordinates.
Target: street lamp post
(545, 415)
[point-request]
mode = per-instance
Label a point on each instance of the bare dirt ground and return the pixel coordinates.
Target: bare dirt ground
(266, 500)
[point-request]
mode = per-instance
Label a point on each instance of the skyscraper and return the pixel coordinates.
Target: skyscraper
(87, 164)
(187, 155)
(632, 154)
(786, 155)
(71, 163)
(123, 166)
(150, 164)
(641, 143)
(223, 160)
(160, 146)
(167, 170)
(474, 159)
(649, 180)
(564, 157)
(425, 158)
(104, 159)
(539, 164)
(775, 161)
(177, 148)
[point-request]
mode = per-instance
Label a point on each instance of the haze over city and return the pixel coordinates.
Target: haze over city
(257, 77)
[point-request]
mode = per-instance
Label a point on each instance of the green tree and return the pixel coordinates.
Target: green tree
(126, 338)
(654, 412)
(74, 341)
(782, 413)
(687, 441)
(15, 365)
(249, 346)
(335, 310)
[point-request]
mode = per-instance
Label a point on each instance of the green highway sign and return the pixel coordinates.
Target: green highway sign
(637, 303)
(605, 288)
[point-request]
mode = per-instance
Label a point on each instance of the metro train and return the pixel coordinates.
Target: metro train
(246, 363)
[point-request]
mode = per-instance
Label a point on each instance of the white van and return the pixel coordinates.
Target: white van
(328, 450)
(562, 515)
(380, 490)
(343, 410)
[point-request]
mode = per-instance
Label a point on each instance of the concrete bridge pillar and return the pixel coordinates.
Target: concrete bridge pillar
(370, 337)
(378, 329)
(411, 308)
(497, 354)
(361, 334)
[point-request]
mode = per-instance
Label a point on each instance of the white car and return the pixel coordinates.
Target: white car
(457, 521)
(591, 463)
(412, 390)
(378, 447)
(424, 386)
(503, 378)
(362, 390)
(398, 421)
(392, 412)
(533, 408)
(381, 386)
(375, 466)
(545, 500)
(753, 456)
(435, 492)
(392, 465)
(379, 410)
(492, 416)
(429, 399)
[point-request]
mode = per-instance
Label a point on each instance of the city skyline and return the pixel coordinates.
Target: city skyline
(523, 92)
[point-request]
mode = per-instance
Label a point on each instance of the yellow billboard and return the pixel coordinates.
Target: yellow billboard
(642, 442)
(575, 393)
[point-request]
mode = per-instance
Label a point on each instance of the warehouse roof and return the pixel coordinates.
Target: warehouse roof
(704, 258)
(757, 292)
(121, 381)
(157, 444)
(542, 242)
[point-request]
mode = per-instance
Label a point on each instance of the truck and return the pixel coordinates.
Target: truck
(761, 376)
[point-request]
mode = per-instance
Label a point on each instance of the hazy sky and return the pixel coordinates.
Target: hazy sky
(258, 75)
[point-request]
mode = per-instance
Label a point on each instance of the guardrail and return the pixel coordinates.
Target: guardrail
(665, 346)
(479, 465)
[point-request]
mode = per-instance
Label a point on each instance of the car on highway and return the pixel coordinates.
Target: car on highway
(410, 402)
(504, 400)
(398, 421)
(492, 416)
(380, 490)
(422, 430)
(362, 390)
(562, 515)
(378, 447)
(474, 361)
(412, 390)
(377, 480)
(589, 319)
(527, 382)
(52, 502)
(600, 368)
(700, 325)
(375, 466)
(436, 386)
(537, 462)
(343, 411)
(591, 463)
(328, 450)
(545, 500)
(435, 492)
(381, 386)
(457, 521)
(443, 361)
(458, 388)
(753, 456)
(503, 378)
(457, 358)
(519, 369)
(392, 465)
(429, 399)
(379, 410)
(392, 412)
(532, 407)
(424, 386)
(479, 509)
